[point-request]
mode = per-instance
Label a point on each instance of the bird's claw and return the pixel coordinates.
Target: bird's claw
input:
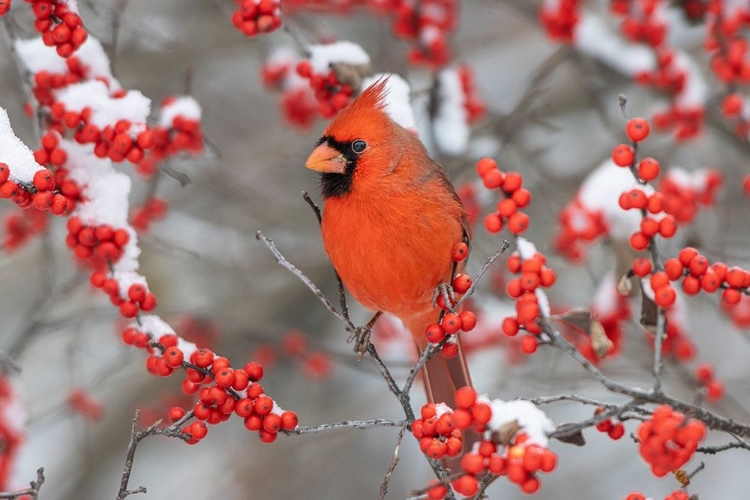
(444, 290)
(361, 338)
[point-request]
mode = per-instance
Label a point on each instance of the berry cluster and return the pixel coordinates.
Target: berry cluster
(640, 25)
(697, 274)
(640, 198)
(60, 27)
(80, 401)
(738, 313)
(136, 299)
(513, 198)
(675, 495)
(614, 430)
(578, 225)
(451, 323)
(11, 436)
(177, 133)
(560, 20)
(331, 94)
(428, 24)
(684, 192)
(225, 391)
(45, 82)
(22, 226)
(155, 209)
(730, 64)
(103, 241)
(668, 440)
(316, 365)
(118, 142)
(705, 376)
(729, 58)
(534, 275)
(40, 193)
(257, 16)
(51, 152)
(437, 433)
(298, 105)
(182, 134)
(519, 459)
(645, 24)
(473, 104)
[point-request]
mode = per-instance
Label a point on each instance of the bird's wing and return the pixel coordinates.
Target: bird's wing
(442, 177)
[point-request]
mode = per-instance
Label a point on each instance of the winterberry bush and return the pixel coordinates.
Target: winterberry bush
(151, 161)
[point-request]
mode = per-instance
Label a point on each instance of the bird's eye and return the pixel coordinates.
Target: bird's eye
(358, 146)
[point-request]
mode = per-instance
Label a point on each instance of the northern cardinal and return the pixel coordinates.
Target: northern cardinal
(391, 219)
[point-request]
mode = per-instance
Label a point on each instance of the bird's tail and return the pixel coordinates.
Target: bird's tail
(442, 376)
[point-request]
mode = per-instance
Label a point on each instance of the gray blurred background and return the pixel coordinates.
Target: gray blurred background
(203, 259)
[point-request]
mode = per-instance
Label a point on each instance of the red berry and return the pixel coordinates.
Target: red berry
(465, 397)
(435, 333)
(637, 129)
(648, 169)
(254, 371)
(176, 414)
(623, 155)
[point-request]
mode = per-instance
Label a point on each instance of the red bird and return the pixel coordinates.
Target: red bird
(391, 219)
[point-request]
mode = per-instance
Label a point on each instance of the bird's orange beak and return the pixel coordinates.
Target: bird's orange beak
(327, 160)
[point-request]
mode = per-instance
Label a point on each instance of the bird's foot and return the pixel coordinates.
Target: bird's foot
(444, 290)
(361, 338)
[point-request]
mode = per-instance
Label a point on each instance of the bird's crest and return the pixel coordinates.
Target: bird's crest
(365, 114)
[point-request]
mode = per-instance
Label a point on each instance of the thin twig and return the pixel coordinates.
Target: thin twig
(32, 491)
(394, 463)
(136, 437)
(342, 291)
(348, 424)
(713, 450)
(8, 364)
(307, 281)
(483, 484)
(481, 272)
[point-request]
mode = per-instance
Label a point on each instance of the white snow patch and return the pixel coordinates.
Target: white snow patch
(526, 249)
(397, 99)
(150, 323)
(322, 56)
(601, 192)
(72, 5)
(450, 124)
(184, 106)
(38, 57)
(695, 92)
(106, 189)
(543, 301)
(596, 38)
(15, 154)
(605, 297)
(694, 181)
(105, 110)
(441, 409)
(13, 409)
(532, 420)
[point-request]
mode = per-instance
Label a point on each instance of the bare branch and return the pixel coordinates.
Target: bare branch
(481, 272)
(394, 463)
(32, 491)
(348, 424)
(136, 437)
